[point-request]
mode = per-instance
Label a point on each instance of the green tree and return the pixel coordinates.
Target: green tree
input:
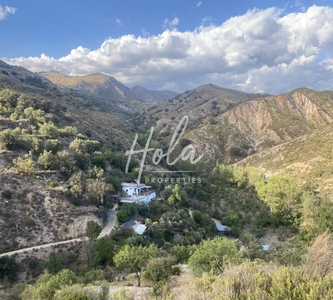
(25, 164)
(175, 195)
(181, 253)
(55, 263)
(282, 196)
(213, 255)
(134, 258)
(96, 190)
(205, 221)
(46, 286)
(83, 146)
(93, 230)
(71, 292)
(8, 268)
(7, 139)
(103, 252)
(77, 184)
(34, 115)
(66, 162)
(49, 130)
(254, 250)
(122, 216)
(48, 160)
(36, 144)
(158, 271)
(99, 161)
(53, 145)
(69, 131)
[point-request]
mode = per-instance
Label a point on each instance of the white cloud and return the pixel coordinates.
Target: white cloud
(5, 11)
(119, 23)
(300, 5)
(145, 33)
(206, 20)
(199, 4)
(170, 24)
(260, 51)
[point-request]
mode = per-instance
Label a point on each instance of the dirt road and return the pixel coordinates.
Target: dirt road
(42, 246)
(112, 222)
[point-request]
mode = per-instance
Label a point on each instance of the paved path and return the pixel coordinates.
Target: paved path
(111, 222)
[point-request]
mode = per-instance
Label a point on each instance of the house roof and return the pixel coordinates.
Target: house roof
(140, 229)
(265, 247)
(136, 226)
(130, 223)
(221, 227)
(133, 184)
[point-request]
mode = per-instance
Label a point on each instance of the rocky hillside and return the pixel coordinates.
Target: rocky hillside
(307, 158)
(61, 157)
(108, 88)
(232, 125)
(198, 103)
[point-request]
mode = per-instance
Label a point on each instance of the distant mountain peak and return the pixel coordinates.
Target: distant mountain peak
(107, 87)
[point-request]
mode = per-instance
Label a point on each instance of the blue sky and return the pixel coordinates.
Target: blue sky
(175, 44)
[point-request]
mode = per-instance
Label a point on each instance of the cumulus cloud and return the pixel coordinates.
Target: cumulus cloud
(171, 24)
(119, 23)
(5, 11)
(260, 51)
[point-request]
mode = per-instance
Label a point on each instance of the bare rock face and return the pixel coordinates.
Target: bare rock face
(232, 125)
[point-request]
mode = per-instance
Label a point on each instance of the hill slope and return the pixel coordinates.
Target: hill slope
(233, 125)
(46, 137)
(107, 87)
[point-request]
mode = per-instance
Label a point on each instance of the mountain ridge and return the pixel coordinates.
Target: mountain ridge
(107, 87)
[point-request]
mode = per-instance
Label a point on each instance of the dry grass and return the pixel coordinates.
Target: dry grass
(183, 288)
(64, 80)
(320, 256)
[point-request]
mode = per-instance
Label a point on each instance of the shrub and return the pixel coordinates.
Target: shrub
(7, 139)
(25, 164)
(69, 131)
(53, 184)
(53, 145)
(8, 268)
(7, 194)
(93, 230)
(47, 160)
(49, 130)
(29, 222)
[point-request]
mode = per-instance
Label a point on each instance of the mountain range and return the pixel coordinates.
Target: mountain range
(230, 126)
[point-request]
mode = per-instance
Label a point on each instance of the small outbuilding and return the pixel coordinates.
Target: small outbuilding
(222, 229)
(136, 226)
(265, 247)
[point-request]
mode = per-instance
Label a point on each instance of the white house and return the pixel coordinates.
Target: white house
(136, 192)
(133, 189)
